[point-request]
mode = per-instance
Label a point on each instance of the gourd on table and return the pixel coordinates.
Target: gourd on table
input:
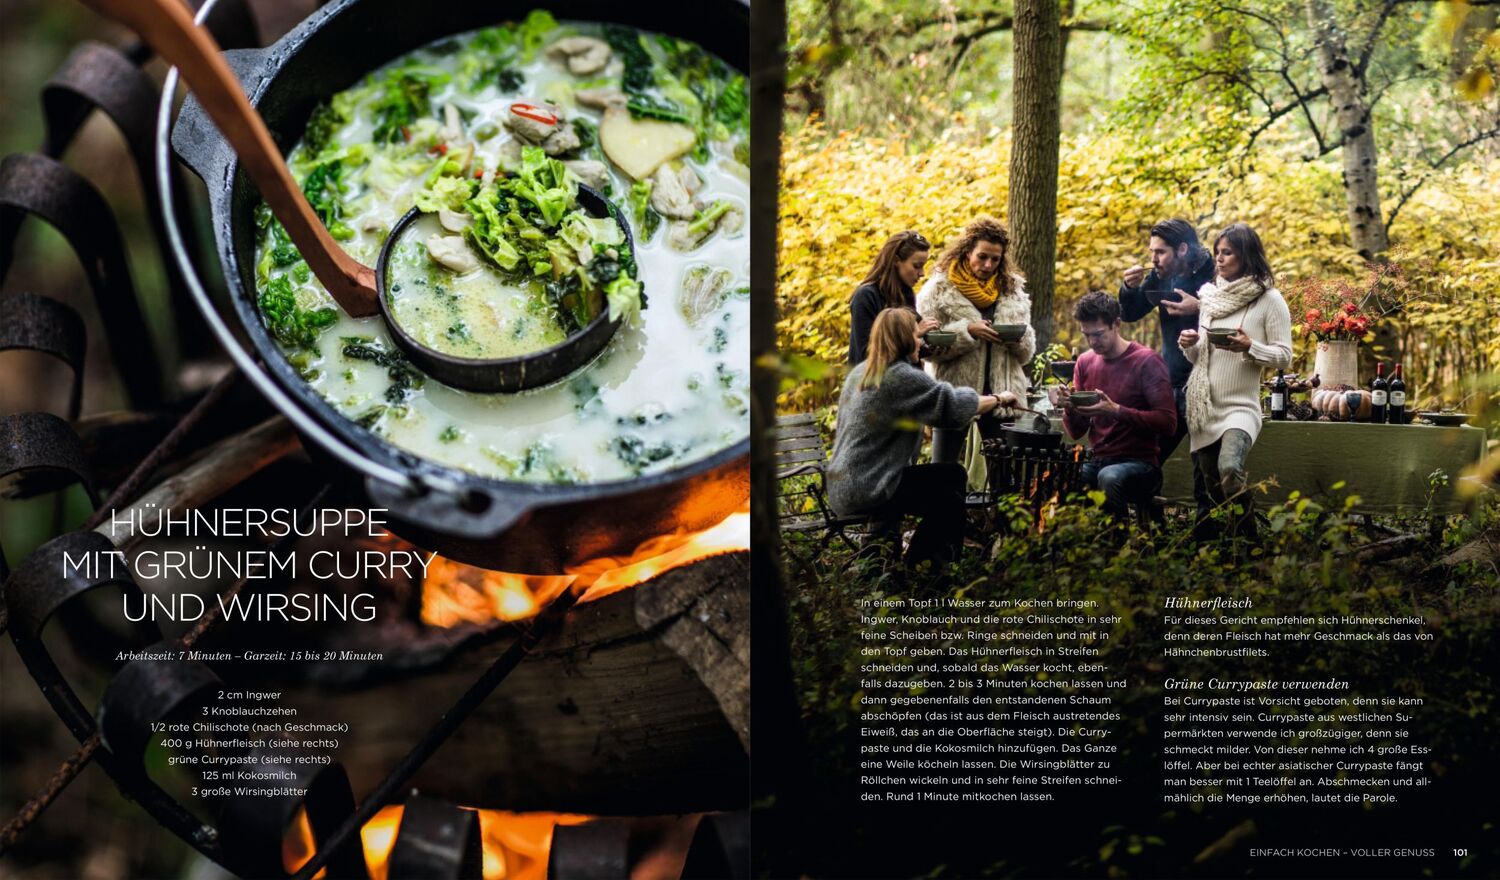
(1334, 402)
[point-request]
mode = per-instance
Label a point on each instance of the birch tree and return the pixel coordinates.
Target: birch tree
(1339, 73)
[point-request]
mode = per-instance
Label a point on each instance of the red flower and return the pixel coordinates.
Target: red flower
(1326, 327)
(1313, 315)
(1350, 308)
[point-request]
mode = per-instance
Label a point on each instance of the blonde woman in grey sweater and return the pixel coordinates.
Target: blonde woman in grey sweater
(1223, 391)
(885, 401)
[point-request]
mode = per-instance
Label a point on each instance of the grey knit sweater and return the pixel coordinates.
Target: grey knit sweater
(880, 430)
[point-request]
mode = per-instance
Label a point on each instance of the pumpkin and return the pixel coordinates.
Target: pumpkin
(1332, 402)
(1322, 398)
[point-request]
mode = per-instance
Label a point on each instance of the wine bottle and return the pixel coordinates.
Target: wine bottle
(1278, 398)
(1378, 395)
(1396, 402)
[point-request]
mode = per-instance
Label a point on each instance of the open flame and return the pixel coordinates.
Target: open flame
(515, 845)
(1047, 510)
(455, 593)
(1046, 513)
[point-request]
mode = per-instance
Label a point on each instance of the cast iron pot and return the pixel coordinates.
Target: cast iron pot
(1021, 438)
(502, 525)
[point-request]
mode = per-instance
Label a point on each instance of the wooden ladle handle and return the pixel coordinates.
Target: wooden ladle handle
(167, 28)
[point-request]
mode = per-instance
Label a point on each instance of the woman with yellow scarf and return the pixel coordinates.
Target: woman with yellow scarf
(974, 287)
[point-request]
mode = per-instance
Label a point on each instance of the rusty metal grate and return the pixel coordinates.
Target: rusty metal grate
(1036, 475)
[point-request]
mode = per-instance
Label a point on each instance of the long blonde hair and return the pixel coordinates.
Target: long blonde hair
(892, 338)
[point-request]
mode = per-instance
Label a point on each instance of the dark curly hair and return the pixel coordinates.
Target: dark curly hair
(1096, 305)
(1175, 233)
(983, 229)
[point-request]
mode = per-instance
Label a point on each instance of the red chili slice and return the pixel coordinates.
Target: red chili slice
(534, 113)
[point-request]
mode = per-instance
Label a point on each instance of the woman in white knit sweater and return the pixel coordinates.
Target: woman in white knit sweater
(1223, 391)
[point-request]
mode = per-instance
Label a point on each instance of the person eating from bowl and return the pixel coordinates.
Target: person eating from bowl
(890, 284)
(885, 401)
(1180, 266)
(976, 294)
(1133, 411)
(1244, 327)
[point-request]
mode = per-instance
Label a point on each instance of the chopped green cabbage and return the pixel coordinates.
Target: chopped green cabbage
(445, 192)
(624, 294)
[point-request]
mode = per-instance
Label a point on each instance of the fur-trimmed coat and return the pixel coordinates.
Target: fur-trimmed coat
(962, 364)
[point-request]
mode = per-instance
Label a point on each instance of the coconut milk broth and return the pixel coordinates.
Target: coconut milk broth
(662, 384)
(477, 315)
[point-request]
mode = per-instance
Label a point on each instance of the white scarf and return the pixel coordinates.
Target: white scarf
(1216, 300)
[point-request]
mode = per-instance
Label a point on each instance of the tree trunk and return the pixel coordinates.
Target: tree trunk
(1348, 94)
(780, 774)
(1221, 40)
(767, 65)
(1034, 155)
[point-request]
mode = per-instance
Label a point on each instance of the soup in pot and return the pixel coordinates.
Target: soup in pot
(489, 133)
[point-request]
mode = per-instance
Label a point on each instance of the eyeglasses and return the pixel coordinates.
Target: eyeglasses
(917, 239)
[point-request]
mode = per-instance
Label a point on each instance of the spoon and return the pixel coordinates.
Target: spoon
(167, 28)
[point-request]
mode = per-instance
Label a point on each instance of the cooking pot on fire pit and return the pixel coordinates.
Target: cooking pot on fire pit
(522, 527)
(1024, 436)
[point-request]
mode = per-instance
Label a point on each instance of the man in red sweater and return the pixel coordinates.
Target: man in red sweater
(1135, 411)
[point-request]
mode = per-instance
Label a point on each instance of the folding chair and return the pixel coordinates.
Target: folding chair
(801, 497)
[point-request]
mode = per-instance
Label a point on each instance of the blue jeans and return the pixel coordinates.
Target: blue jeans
(1124, 481)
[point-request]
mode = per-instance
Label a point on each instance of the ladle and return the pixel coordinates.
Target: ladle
(167, 28)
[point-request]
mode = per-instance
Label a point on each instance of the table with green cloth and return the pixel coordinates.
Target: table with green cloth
(1387, 466)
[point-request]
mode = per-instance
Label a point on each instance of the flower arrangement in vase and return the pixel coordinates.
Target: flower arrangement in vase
(1337, 314)
(1344, 324)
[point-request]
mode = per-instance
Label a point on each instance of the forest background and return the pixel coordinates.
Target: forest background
(1349, 133)
(1340, 129)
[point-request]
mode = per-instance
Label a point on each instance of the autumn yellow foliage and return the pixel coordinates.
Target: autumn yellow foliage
(843, 194)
